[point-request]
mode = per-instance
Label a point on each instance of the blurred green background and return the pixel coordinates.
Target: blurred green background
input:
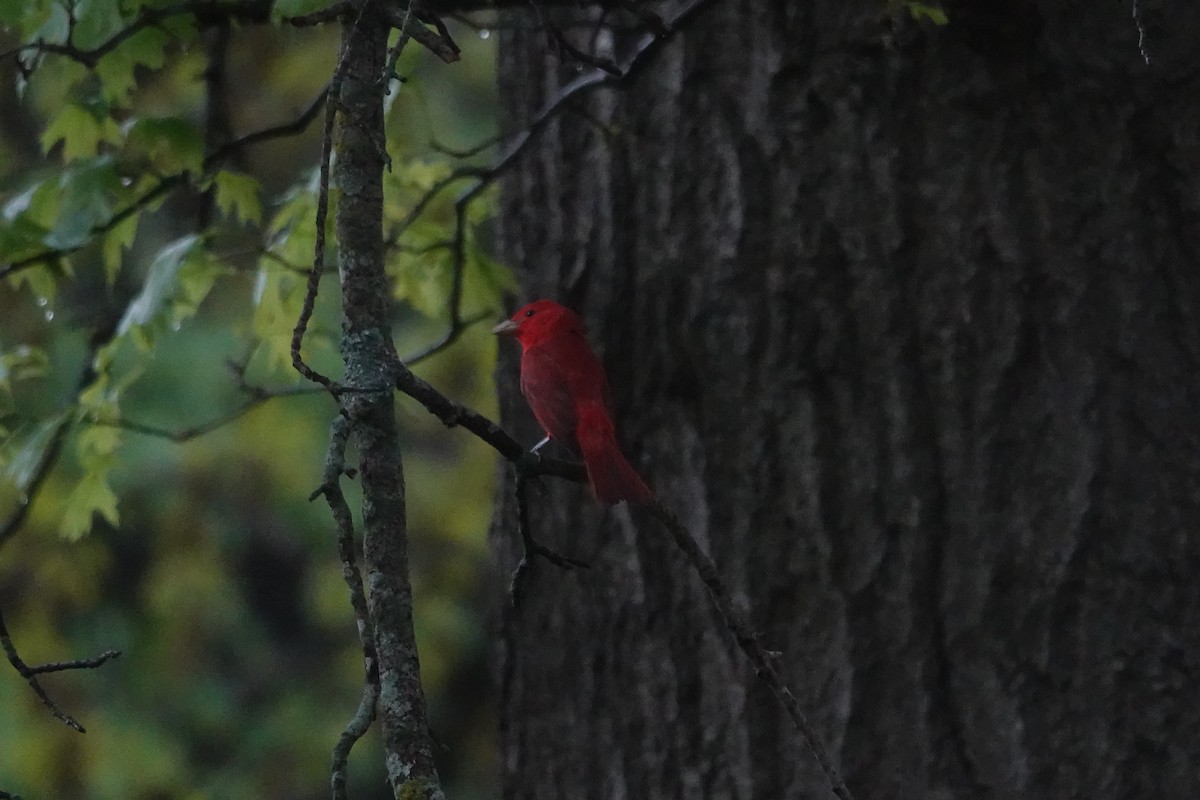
(220, 583)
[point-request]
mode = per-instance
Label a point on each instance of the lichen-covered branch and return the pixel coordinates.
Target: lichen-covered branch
(369, 356)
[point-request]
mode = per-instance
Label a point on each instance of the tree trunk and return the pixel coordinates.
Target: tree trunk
(904, 320)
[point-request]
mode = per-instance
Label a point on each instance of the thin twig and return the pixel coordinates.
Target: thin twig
(292, 128)
(355, 730)
(532, 549)
(457, 327)
(562, 43)
(747, 641)
(438, 42)
(181, 435)
(1141, 29)
(330, 488)
(318, 264)
(458, 247)
(30, 673)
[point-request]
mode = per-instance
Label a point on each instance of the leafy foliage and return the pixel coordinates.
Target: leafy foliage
(135, 268)
(923, 11)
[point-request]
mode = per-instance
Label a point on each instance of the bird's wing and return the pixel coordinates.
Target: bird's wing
(546, 384)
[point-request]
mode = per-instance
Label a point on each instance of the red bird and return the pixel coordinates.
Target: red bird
(564, 384)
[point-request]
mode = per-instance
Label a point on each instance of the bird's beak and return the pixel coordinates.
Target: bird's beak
(506, 328)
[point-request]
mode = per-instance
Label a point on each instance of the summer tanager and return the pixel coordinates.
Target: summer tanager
(564, 384)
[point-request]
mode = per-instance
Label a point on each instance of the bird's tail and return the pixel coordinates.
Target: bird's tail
(613, 479)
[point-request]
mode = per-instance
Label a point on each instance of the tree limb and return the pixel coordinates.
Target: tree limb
(30, 673)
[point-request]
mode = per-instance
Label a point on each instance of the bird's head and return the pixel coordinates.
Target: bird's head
(538, 321)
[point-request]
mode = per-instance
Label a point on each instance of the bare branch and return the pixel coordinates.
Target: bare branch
(181, 435)
(30, 673)
(516, 585)
(292, 128)
(747, 641)
(355, 730)
(1141, 29)
(438, 42)
(560, 41)
(318, 264)
(335, 467)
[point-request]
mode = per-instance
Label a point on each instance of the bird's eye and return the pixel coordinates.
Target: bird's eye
(530, 313)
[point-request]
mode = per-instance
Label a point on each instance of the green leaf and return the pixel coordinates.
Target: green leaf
(92, 495)
(25, 220)
(170, 144)
(21, 454)
(23, 15)
(81, 130)
(237, 195)
(118, 239)
(486, 281)
(197, 274)
(180, 277)
(13, 12)
(422, 175)
(117, 70)
(87, 202)
(278, 297)
(98, 400)
(423, 280)
(21, 363)
(20, 238)
(161, 284)
(42, 280)
(97, 442)
(921, 11)
(54, 24)
(95, 21)
(25, 203)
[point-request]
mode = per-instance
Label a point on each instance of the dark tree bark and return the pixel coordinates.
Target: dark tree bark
(905, 322)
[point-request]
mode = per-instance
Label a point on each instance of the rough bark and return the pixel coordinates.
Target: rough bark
(370, 366)
(905, 322)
